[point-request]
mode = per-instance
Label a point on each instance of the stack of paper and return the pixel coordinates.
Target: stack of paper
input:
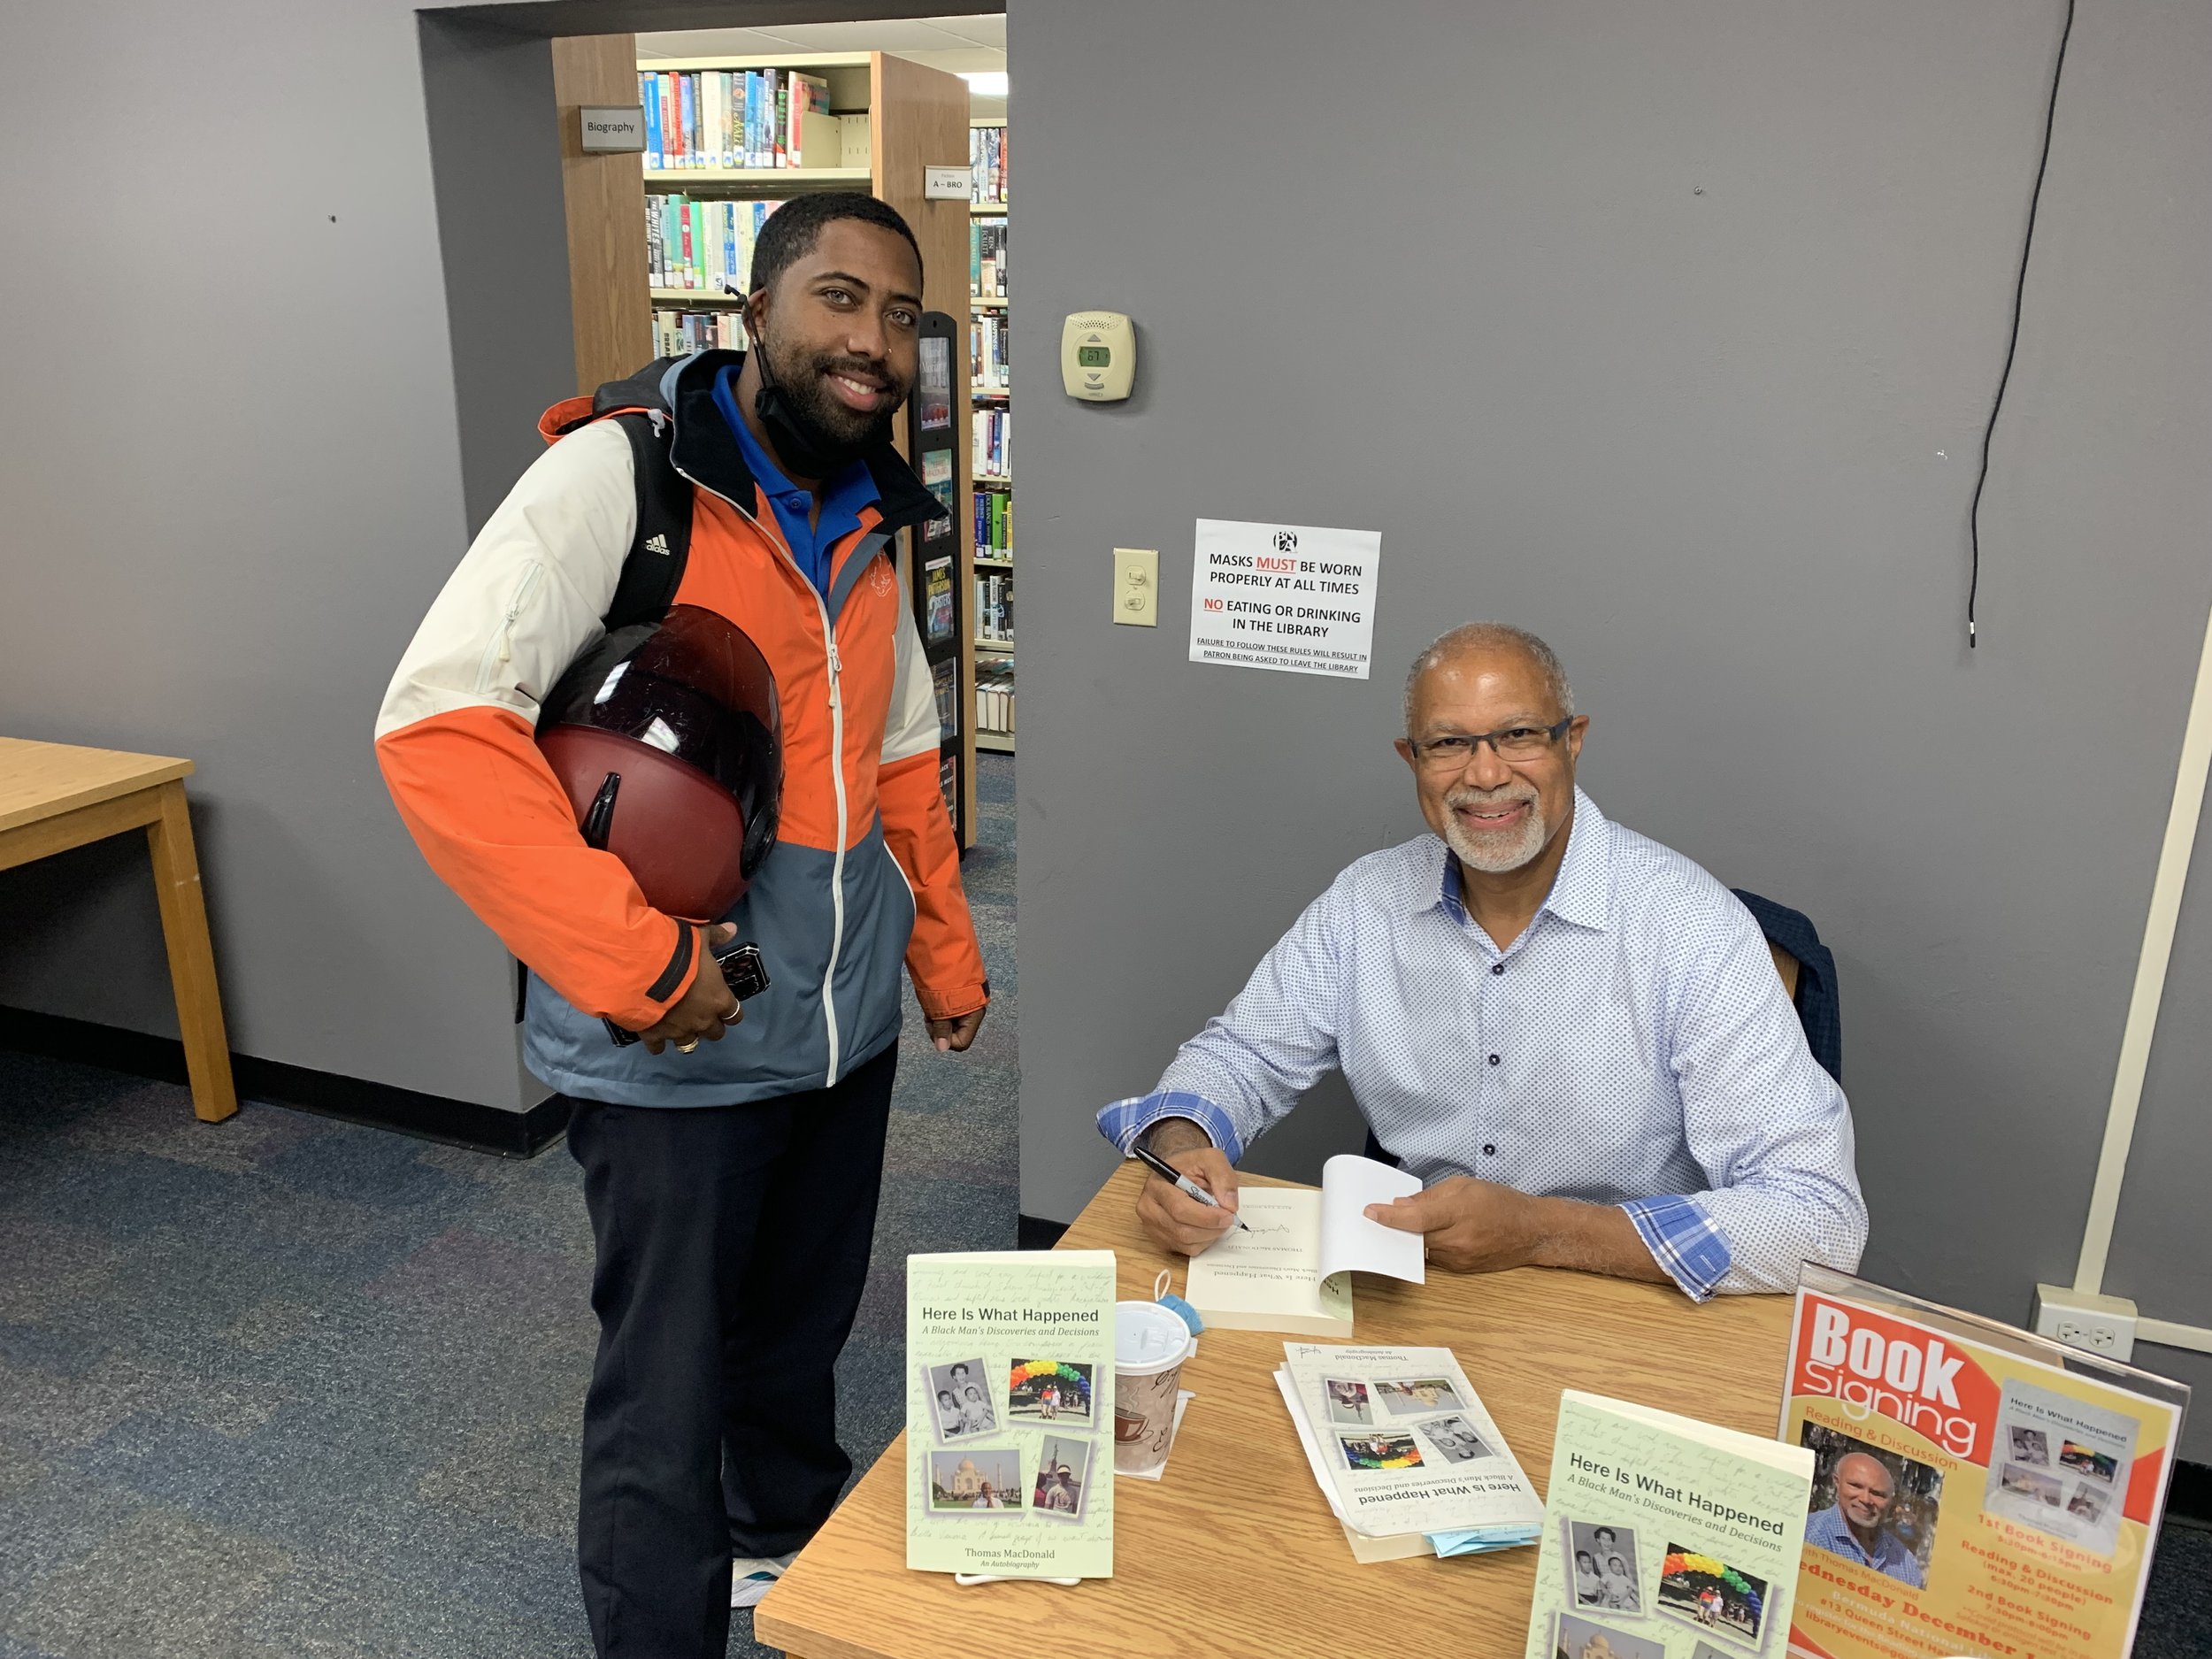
(1405, 1454)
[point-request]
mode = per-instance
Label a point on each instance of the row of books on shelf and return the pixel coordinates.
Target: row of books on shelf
(690, 244)
(995, 697)
(988, 457)
(729, 119)
(987, 164)
(987, 350)
(994, 524)
(986, 258)
(678, 333)
(994, 606)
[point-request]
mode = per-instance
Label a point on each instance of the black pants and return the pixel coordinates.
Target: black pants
(732, 1245)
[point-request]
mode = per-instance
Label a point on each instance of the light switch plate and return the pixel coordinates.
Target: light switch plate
(1137, 587)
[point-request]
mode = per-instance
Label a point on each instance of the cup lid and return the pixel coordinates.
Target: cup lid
(1148, 1337)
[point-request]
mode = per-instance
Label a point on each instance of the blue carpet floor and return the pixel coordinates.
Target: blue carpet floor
(287, 1388)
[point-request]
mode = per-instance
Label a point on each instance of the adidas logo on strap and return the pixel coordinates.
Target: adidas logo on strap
(658, 544)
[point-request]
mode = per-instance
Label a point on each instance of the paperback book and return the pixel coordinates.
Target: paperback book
(1292, 1270)
(1405, 1446)
(1009, 1415)
(1665, 1537)
(1977, 1489)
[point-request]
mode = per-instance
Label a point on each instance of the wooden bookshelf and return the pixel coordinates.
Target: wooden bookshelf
(759, 180)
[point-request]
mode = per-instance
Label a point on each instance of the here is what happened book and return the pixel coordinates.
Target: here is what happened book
(1292, 1272)
(1010, 1422)
(1665, 1537)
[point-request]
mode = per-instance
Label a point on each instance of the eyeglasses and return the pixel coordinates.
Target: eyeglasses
(1453, 749)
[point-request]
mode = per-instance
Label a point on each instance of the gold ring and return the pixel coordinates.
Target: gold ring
(685, 1048)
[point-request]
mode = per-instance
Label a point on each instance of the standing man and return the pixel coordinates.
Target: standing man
(732, 1186)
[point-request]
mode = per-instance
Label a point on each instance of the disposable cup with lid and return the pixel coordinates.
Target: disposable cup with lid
(1147, 1338)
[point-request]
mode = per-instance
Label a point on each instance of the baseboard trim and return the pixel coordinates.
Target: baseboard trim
(1034, 1233)
(382, 1105)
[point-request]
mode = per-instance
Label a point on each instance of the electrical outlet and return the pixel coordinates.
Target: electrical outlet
(1137, 587)
(2102, 1326)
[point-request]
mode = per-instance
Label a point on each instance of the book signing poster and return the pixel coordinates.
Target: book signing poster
(2010, 1502)
(1291, 597)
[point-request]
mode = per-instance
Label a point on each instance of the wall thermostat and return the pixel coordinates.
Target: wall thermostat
(1098, 356)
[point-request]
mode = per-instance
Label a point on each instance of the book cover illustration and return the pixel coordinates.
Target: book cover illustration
(1977, 1489)
(937, 622)
(1665, 1537)
(1010, 1377)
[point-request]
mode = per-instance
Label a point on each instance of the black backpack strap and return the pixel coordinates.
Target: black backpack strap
(655, 565)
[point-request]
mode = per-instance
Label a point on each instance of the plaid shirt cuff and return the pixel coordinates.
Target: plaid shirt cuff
(1125, 1120)
(1683, 1240)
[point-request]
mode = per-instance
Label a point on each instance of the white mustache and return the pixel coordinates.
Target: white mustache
(1507, 796)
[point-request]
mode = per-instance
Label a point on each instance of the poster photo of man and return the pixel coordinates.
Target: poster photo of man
(1872, 1507)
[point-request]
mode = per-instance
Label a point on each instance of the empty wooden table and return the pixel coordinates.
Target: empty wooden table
(54, 796)
(1235, 1552)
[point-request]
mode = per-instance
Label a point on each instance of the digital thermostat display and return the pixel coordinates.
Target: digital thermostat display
(1098, 356)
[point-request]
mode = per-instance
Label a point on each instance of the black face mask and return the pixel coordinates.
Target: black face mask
(802, 443)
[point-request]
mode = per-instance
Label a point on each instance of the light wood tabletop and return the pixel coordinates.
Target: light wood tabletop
(1235, 1552)
(54, 796)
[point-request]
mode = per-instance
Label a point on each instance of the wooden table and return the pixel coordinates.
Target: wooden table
(1237, 1535)
(54, 796)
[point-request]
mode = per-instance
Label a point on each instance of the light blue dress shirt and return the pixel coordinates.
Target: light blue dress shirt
(1826, 1529)
(1632, 1047)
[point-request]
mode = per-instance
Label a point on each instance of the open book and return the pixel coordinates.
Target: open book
(1292, 1272)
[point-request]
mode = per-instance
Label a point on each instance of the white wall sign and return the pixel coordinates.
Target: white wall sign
(618, 127)
(947, 184)
(1286, 596)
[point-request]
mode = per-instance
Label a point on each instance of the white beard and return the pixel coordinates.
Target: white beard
(1500, 850)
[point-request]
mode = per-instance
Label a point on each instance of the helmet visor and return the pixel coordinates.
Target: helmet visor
(695, 687)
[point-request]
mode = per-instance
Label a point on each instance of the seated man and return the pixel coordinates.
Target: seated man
(1573, 1035)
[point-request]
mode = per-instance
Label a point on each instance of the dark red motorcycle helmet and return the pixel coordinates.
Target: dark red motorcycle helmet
(668, 739)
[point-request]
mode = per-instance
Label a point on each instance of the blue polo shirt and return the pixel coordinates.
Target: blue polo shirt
(844, 498)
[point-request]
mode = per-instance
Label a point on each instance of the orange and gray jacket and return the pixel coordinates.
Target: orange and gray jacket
(864, 870)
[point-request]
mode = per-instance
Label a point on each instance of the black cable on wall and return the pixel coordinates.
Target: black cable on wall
(2012, 344)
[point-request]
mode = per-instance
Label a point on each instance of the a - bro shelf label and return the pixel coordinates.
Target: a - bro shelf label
(1293, 597)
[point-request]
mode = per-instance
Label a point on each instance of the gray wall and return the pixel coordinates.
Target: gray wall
(1667, 332)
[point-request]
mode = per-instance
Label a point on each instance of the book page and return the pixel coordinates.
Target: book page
(1349, 1241)
(1010, 1424)
(1274, 1270)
